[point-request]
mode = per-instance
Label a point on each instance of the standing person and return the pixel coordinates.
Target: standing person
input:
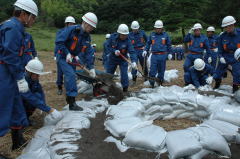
(29, 49)
(105, 53)
(120, 45)
(94, 50)
(69, 21)
(138, 39)
(212, 38)
(199, 74)
(160, 43)
(228, 43)
(74, 48)
(12, 79)
(35, 97)
(197, 42)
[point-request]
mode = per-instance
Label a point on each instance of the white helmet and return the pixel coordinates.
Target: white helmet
(27, 5)
(228, 20)
(197, 26)
(108, 36)
(135, 25)
(199, 64)
(35, 66)
(211, 28)
(237, 54)
(123, 29)
(91, 19)
(70, 19)
(158, 24)
(94, 45)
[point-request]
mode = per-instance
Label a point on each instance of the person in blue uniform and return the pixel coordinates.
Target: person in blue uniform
(199, 74)
(197, 43)
(12, 79)
(105, 54)
(69, 21)
(29, 49)
(138, 39)
(119, 46)
(161, 49)
(228, 43)
(74, 48)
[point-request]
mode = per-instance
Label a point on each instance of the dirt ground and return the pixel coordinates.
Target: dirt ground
(96, 134)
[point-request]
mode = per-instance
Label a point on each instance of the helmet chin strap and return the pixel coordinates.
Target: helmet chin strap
(83, 26)
(29, 18)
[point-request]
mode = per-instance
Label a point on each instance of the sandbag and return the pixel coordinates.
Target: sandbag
(182, 143)
(227, 130)
(119, 127)
(146, 137)
(201, 113)
(232, 118)
(41, 153)
(212, 141)
(185, 115)
(200, 154)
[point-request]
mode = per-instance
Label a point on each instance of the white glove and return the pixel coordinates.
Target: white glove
(36, 58)
(22, 85)
(69, 58)
(201, 88)
(144, 53)
(55, 58)
(117, 52)
(210, 60)
(169, 56)
(215, 50)
(190, 31)
(92, 73)
(134, 65)
(53, 118)
(77, 58)
(209, 80)
(222, 60)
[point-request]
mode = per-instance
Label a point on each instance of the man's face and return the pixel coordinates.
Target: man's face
(122, 36)
(135, 30)
(70, 24)
(87, 28)
(29, 19)
(229, 28)
(34, 77)
(197, 32)
(210, 33)
(158, 30)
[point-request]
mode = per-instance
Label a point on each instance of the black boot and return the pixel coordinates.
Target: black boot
(235, 88)
(3, 157)
(17, 138)
(125, 89)
(72, 104)
(134, 78)
(217, 83)
(160, 82)
(60, 90)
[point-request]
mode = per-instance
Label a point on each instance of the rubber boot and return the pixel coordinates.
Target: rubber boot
(160, 82)
(235, 88)
(17, 138)
(3, 157)
(134, 79)
(72, 104)
(59, 90)
(217, 83)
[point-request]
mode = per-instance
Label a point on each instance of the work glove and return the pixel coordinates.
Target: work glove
(77, 58)
(209, 80)
(144, 53)
(201, 88)
(134, 65)
(190, 31)
(92, 73)
(36, 58)
(149, 61)
(215, 50)
(222, 60)
(117, 52)
(22, 85)
(210, 60)
(53, 117)
(69, 58)
(55, 58)
(169, 56)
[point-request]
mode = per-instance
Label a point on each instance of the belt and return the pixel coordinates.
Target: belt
(159, 53)
(192, 52)
(139, 48)
(212, 48)
(28, 53)
(2, 62)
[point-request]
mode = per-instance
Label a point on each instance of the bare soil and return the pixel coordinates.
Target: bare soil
(91, 144)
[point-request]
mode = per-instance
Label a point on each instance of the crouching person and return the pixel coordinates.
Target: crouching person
(198, 74)
(35, 97)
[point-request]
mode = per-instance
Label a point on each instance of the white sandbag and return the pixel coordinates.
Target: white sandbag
(232, 118)
(189, 98)
(153, 109)
(174, 114)
(41, 153)
(146, 136)
(204, 101)
(170, 75)
(166, 109)
(119, 127)
(84, 88)
(169, 96)
(120, 146)
(50, 120)
(212, 140)
(200, 154)
(227, 130)
(182, 143)
(201, 113)
(185, 115)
